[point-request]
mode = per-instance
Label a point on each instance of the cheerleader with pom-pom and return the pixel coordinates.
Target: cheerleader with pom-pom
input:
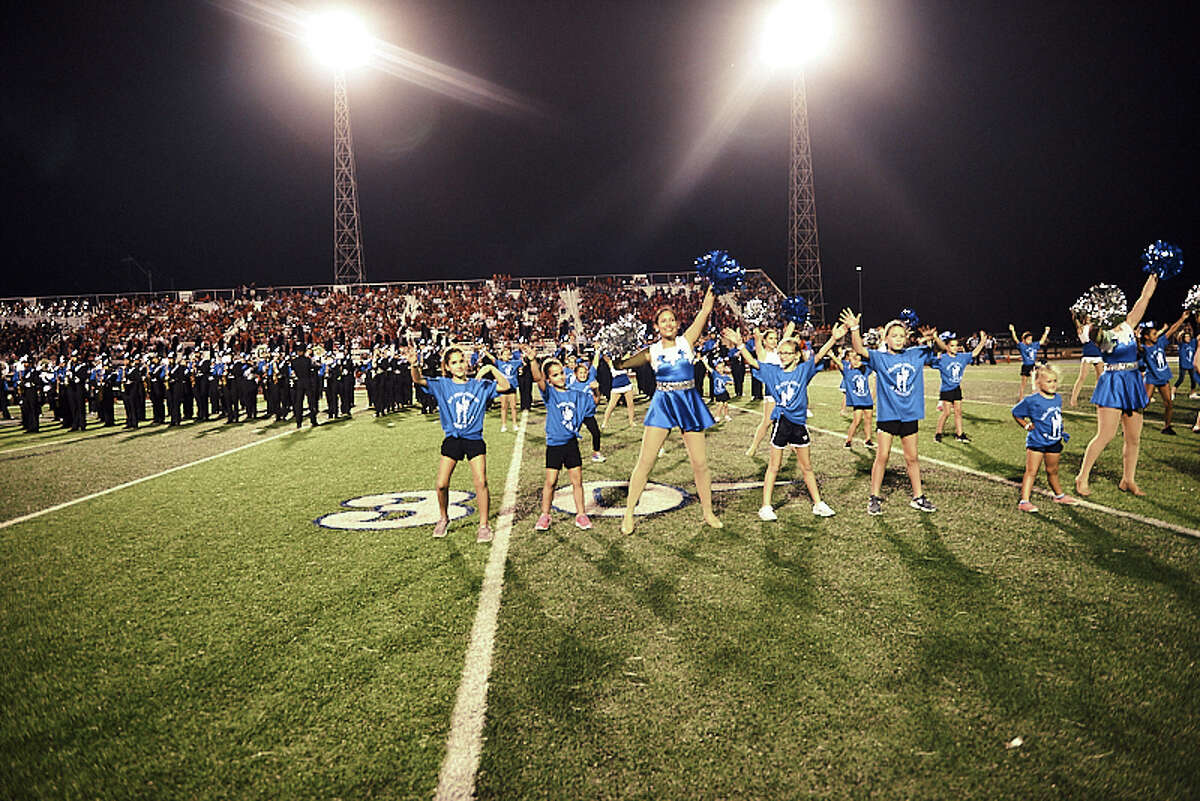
(622, 387)
(1119, 395)
(676, 403)
(1090, 355)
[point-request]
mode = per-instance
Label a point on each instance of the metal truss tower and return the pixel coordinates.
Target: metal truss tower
(347, 231)
(804, 253)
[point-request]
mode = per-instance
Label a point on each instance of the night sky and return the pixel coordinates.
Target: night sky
(985, 161)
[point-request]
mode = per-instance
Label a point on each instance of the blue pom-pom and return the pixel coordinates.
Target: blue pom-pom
(794, 309)
(909, 318)
(1162, 259)
(721, 271)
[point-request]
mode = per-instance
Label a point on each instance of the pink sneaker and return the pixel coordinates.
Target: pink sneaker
(439, 530)
(1065, 498)
(1026, 506)
(582, 521)
(484, 534)
(542, 524)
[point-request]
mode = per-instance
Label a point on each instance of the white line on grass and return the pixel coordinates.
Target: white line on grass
(1150, 521)
(465, 742)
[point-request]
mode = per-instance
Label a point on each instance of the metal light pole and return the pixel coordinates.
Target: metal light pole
(858, 269)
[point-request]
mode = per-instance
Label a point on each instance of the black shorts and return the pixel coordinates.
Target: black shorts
(1052, 448)
(786, 434)
(863, 408)
(1027, 369)
(510, 391)
(721, 397)
(458, 448)
(897, 428)
(565, 455)
(950, 394)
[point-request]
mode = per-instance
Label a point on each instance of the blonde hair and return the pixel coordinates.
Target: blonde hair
(1049, 369)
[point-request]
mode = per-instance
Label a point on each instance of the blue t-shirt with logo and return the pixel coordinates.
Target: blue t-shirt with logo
(1046, 415)
(1158, 371)
(951, 368)
(854, 381)
(589, 406)
(1028, 352)
(900, 382)
(1187, 354)
(720, 382)
(509, 368)
(461, 406)
(565, 412)
(788, 387)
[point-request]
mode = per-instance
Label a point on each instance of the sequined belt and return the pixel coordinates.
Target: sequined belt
(1112, 368)
(669, 386)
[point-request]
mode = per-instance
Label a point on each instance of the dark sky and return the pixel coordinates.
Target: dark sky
(985, 161)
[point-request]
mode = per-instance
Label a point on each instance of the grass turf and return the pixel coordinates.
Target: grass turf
(197, 636)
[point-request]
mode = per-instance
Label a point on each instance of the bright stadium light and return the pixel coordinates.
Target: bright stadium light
(796, 32)
(339, 39)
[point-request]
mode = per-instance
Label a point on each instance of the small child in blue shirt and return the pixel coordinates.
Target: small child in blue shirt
(462, 402)
(565, 411)
(951, 365)
(857, 389)
(1040, 414)
(1029, 351)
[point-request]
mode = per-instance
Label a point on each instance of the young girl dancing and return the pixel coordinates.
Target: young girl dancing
(788, 383)
(583, 379)
(509, 364)
(461, 404)
(1040, 414)
(857, 396)
(1119, 396)
(1158, 370)
(1090, 355)
(951, 365)
(900, 384)
(1029, 350)
(622, 387)
(765, 343)
(1187, 362)
(722, 377)
(676, 404)
(565, 408)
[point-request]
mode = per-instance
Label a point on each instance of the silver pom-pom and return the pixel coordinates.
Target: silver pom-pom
(1191, 303)
(1103, 304)
(870, 339)
(624, 336)
(755, 312)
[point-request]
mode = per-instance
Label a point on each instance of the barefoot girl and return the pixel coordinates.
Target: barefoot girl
(676, 404)
(622, 387)
(1040, 414)
(461, 403)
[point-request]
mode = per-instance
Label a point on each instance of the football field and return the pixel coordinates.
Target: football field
(250, 611)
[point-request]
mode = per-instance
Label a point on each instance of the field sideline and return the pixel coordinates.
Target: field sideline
(267, 617)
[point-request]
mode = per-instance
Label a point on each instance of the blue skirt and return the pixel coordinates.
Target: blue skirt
(1120, 389)
(678, 408)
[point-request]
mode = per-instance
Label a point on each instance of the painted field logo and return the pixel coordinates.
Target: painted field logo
(390, 510)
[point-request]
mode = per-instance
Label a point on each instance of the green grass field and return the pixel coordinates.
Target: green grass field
(198, 635)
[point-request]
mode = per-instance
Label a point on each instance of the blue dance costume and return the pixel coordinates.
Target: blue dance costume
(1120, 385)
(676, 402)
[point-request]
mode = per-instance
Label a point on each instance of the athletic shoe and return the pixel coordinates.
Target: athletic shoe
(503, 429)
(484, 534)
(874, 505)
(662, 451)
(597, 456)
(1194, 395)
(1065, 498)
(869, 443)
(727, 418)
(767, 513)
(940, 405)
(962, 438)
(1169, 430)
(1026, 506)
(439, 530)
(542, 524)
(822, 510)
(582, 521)
(937, 437)
(922, 503)
(1196, 429)
(846, 444)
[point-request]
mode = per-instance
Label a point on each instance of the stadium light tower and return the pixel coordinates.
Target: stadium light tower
(340, 41)
(795, 33)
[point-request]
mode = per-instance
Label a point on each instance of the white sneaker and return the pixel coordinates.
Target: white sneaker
(662, 451)
(822, 510)
(503, 429)
(597, 457)
(767, 513)
(727, 418)
(1194, 395)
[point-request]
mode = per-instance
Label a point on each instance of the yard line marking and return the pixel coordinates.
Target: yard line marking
(1150, 521)
(456, 780)
(136, 481)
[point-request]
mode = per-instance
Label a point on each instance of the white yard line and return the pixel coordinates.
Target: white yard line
(465, 742)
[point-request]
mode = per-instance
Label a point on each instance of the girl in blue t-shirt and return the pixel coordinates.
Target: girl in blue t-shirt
(857, 395)
(509, 364)
(722, 377)
(1029, 353)
(951, 365)
(566, 408)
(461, 403)
(900, 386)
(1187, 361)
(1158, 370)
(583, 378)
(1040, 414)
